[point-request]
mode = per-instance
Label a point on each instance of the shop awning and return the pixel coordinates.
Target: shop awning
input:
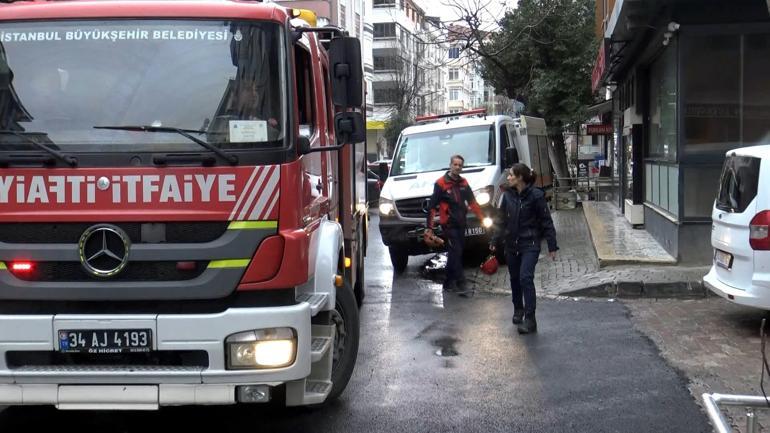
(600, 108)
(375, 124)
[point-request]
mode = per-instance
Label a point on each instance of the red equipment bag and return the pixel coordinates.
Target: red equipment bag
(490, 265)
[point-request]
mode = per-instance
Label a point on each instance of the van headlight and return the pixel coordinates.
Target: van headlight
(484, 195)
(387, 206)
(261, 348)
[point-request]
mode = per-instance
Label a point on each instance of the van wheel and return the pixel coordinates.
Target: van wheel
(344, 318)
(398, 259)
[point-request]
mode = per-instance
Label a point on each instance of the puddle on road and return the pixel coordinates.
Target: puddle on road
(446, 346)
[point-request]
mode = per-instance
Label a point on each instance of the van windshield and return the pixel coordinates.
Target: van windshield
(738, 183)
(430, 151)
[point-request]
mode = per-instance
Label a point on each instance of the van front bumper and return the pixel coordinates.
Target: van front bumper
(407, 235)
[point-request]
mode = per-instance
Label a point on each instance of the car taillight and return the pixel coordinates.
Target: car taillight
(759, 231)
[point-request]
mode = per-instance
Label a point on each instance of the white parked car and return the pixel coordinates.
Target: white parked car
(740, 236)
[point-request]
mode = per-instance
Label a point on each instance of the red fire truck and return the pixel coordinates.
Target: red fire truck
(182, 204)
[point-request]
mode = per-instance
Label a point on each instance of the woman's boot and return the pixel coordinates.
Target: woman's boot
(529, 324)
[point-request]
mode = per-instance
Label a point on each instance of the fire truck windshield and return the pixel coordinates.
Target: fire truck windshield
(61, 79)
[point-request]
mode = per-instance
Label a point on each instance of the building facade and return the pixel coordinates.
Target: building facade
(687, 80)
(408, 69)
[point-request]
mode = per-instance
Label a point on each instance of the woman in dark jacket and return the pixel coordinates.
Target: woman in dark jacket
(524, 220)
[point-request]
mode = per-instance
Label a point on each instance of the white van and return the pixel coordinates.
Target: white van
(489, 144)
(741, 218)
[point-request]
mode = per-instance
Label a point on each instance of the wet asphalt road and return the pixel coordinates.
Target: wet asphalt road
(435, 363)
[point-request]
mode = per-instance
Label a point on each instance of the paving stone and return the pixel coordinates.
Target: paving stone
(576, 270)
(713, 342)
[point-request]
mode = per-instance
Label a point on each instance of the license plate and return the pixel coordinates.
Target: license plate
(474, 231)
(723, 259)
(105, 340)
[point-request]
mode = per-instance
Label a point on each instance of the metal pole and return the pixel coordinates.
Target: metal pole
(715, 415)
(751, 421)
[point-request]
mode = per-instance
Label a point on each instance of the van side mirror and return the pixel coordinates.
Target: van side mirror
(349, 127)
(383, 171)
(511, 156)
(345, 68)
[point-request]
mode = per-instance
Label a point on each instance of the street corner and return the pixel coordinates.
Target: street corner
(714, 343)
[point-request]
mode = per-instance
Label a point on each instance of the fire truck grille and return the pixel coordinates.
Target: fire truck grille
(134, 271)
(69, 233)
(166, 360)
(413, 207)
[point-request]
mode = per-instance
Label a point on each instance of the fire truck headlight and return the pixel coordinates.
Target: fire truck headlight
(262, 348)
(487, 222)
(386, 206)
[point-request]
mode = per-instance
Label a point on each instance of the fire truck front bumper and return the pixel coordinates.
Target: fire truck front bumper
(188, 361)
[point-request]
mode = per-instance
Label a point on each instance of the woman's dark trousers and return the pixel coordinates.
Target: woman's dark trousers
(521, 267)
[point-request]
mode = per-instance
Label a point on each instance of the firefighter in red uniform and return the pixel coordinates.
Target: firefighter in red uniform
(453, 197)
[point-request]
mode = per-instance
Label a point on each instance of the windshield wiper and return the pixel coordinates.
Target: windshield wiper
(232, 159)
(69, 160)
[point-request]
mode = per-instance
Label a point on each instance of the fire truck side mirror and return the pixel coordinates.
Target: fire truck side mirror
(349, 127)
(346, 72)
(303, 145)
(511, 156)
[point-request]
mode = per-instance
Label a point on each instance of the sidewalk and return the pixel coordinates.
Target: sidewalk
(630, 264)
(617, 242)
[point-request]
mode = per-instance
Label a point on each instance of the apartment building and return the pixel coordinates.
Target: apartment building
(352, 15)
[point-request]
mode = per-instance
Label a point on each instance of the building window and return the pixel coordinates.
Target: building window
(454, 74)
(358, 24)
(384, 30)
(385, 63)
(384, 3)
(454, 94)
(663, 99)
(385, 96)
(711, 90)
(662, 186)
(454, 53)
(343, 17)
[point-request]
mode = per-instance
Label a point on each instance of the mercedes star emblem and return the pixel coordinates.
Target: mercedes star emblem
(103, 183)
(103, 250)
(425, 206)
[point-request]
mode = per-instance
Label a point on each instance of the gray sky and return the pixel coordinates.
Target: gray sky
(448, 11)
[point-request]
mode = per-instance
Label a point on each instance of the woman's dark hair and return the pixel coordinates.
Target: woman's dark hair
(527, 175)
